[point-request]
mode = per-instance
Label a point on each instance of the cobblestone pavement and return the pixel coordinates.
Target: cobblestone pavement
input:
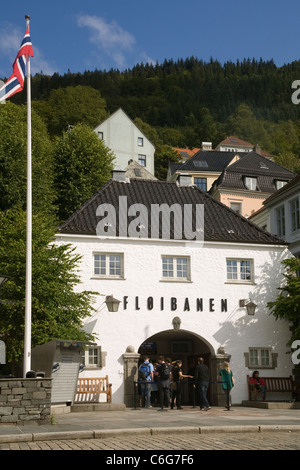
(276, 440)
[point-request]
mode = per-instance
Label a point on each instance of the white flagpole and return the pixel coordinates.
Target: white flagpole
(28, 301)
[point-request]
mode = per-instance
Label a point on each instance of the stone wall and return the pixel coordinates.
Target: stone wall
(25, 401)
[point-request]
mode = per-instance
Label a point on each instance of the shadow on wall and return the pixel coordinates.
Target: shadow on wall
(260, 330)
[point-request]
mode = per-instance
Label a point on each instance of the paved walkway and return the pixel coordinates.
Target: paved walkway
(154, 422)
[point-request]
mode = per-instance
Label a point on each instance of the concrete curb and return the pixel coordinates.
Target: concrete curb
(108, 433)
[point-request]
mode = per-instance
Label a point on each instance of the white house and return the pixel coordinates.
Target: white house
(281, 214)
(179, 293)
(126, 140)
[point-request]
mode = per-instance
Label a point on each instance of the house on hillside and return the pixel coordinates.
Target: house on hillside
(186, 153)
(247, 183)
(234, 144)
(204, 167)
(280, 214)
(177, 283)
(126, 140)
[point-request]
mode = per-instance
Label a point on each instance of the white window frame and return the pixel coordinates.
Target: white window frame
(240, 271)
(295, 214)
(142, 160)
(236, 203)
(260, 354)
(251, 183)
(171, 268)
(106, 266)
(280, 220)
(279, 184)
(89, 355)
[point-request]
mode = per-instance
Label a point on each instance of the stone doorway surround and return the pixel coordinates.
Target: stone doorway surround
(131, 362)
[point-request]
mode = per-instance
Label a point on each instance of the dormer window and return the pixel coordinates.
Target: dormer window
(279, 184)
(250, 183)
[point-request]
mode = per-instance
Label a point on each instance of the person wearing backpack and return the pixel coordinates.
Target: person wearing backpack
(163, 372)
(146, 372)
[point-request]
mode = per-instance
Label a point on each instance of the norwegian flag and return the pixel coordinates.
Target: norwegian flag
(15, 83)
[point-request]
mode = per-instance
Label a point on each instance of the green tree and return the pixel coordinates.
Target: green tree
(57, 309)
(70, 106)
(288, 160)
(287, 304)
(164, 154)
(82, 165)
(13, 160)
(246, 126)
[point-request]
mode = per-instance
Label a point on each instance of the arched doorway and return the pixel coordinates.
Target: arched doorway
(179, 344)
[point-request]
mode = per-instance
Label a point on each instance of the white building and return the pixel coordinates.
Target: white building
(281, 214)
(126, 140)
(178, 297)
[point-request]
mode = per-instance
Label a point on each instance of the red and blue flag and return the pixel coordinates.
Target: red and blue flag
(15, 83)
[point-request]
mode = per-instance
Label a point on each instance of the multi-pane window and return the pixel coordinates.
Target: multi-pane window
(260, 357)
(91, 357)
(201, 183)
(251, 183)
(295, 214)
(280, 221)
(175, 268)
(108, 265)
(142, 160)
(239, 270)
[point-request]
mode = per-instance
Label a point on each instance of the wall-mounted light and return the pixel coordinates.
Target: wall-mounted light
(250, 306)
(112, 304)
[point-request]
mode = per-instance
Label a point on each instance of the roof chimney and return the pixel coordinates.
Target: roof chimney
(257, 149)
(118, 174)
(184, 179)
(206, 146)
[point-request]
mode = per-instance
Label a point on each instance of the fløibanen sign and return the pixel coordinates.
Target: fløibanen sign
(198, 304)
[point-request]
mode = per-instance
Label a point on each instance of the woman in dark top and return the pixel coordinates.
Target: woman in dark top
(176, 384)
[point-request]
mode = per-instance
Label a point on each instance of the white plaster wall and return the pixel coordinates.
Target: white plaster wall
(121, 135)
(233, 330)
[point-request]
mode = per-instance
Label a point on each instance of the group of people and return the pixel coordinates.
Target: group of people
(161, 383)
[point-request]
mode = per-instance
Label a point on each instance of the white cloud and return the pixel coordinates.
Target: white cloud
(109, 38)
(11, 38)
(39, 64)
(146, 59)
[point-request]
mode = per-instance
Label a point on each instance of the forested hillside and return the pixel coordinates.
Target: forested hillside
(189, 101)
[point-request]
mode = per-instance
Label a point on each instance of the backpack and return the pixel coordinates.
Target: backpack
(164, 371)
(144, 371)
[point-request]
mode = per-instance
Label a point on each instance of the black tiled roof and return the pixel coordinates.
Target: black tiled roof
(220, 222)
(253, 165)
(216, 161)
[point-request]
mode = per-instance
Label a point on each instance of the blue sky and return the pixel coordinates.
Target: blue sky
(85, 35)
